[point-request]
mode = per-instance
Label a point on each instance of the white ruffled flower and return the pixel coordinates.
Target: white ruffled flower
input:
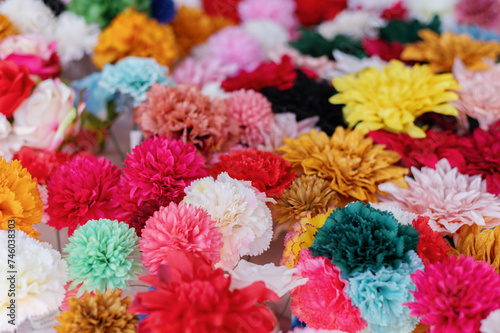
(29, 16)
(9, 142)
(492, 323)
(424, 10)
(214, 90)
(279, 279)
(347, 64)
(356, 24)
(403, 216)
(267, 32)
(240, 211)
(41, 276)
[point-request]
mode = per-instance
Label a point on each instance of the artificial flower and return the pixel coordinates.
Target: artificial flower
(83, 189)
(322, 301)
(281, 12)
(141, 213)
(492, 323)
(440, 51)
(347, 64)
(28, 16)
(103, 254)
(432, 247)
(179, 227)
(485, 13)
(39, 279)
(427, 10)
(356, 24)
(454, 295)
(134, 34)
(41, 164)
(6, 27)
(70, 294)
(10, 143)
(380, 240)
(482, 244)
(350, 161)
(15, 87)
(19, 199)
(449, 198)
(385, 50)
(313, 12)
(102, 312)
(240, 212)
(392, 98)
(226, 8)
(267, 32)
(202, 72)
(402, 216)
(95, 98)
(190, 295)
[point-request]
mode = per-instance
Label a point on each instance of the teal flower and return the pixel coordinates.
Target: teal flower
(103, 254)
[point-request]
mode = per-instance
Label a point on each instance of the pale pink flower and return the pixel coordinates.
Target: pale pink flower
(201, 72)
(279, 11)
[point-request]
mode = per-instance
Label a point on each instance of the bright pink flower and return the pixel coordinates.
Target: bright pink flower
(485, 13)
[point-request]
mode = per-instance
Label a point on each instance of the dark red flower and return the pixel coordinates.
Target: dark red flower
(432, 247)
(385, 50)
(144, 212)
(226, 8)
(15, 86)
(41, 164)
(397, 12)
(312, 12)
(192, 296)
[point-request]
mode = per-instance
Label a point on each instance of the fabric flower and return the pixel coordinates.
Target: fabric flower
(39, 282)
(380, 240)
(357, 24)
(492, 323)
(351, 162)
(83, 189)
(454, 295)
(103, 254)
(19, 198)
(432, 247)
(179, 227)
(406, 94)
(134, 34)
(199, 73)
(190, 295)
(94, 97)
(15, 87)
(485, 13)
(240, 212)
(102, 312)
(482, 244)
(322, 301)
(28, 16)
(281, 12)
(41, 164)
(312, 12)
(448, 197)
(6, 27)
(440, 51)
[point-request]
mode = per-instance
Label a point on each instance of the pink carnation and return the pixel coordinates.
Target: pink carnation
(279, 11)
(234, 45)
(254, 114)
(179, 227)
(203, 71)
(485, 13)
(449, 198)
(83, 189)
(322, 302)
(454, 295)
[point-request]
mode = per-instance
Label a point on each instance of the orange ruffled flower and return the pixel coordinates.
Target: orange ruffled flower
(193, 26)
(440, 51)
(353, 164)
(134, 34)
(483, 245)
(19, 198)
(6, 27)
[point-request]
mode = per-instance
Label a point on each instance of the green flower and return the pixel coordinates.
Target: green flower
(103, 254)
(359, 237)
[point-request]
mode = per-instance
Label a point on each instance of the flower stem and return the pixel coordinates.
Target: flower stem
(286, 307)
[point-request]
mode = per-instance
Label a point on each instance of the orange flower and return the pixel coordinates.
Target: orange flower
(483, 245)
(19, 198)
(6, 27)
(134, 34)
(440, 51)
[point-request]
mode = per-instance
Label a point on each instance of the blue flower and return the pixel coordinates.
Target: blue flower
(163, 10)
(94, 97)
(133, 76)
(476, 32)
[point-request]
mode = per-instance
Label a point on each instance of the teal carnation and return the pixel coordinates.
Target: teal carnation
(359, 237)
(103, 254)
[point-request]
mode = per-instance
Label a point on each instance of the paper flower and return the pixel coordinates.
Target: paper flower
(179, 227)
(449, 198)
(350, 161)
(134, 34)
(94, 97)
(240, 212)
(357, 24)
(41, 164)
(190, 295)
(393, 98)
(83, 189)
(19, 199)
(6, 27)
(455, 294)
(28, 16)
(322, 302)
(39, 282)
(432, 247)
(103, 254)
(201, 72)
(492, 323)
(485, 13)
(380, 240)
(440, 51)
(281, 12)
(101, 312)
(482, 244)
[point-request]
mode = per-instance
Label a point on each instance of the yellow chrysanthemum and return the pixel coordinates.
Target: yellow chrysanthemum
(193, 26)
(19, 198)
(6, 27)
(391, 99)
(134, 34)
(483, 245)
(440, 51)
(301, 237)
(353, 164)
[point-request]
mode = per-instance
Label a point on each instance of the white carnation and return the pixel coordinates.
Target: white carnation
(29, 16)
(267, 32)
(356, 24)
(403, 216)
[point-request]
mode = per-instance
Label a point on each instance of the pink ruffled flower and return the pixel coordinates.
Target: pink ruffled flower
(70, 293)
(279, 11)
(203, 71)
(454, 295)
(449, 198)
(44, 195)
(322, 301)
(485, 13)
(179, 227)
(233, 45)
(254, 114)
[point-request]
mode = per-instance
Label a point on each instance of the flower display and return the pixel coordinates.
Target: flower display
(472, 241)
(15, 87)
(41, 164)
(432, 247)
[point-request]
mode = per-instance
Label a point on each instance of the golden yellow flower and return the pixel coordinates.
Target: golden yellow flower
(301, 237)
(353, 164)
(102, 313)
(19, 198)
(391, 99)
(6, 27)
(483, 245)
(440, 51)
(193, 26)
(134, 34)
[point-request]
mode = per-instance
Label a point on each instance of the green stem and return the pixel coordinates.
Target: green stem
(138, 285)
(286, 307)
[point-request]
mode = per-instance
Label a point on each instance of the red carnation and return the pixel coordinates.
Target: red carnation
(141, 214)
(281, 76)
(397, 12)
(191, 296)
(15, 86)
(41, 164)
(384, 50)
(312, 12)
(226, 8)
(432, 247)
(268, 172)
